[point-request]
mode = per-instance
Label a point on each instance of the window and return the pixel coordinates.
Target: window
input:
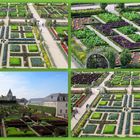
(51, 97)
(66, 104)
(66, 111)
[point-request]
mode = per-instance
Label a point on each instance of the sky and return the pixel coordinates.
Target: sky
(33, 84)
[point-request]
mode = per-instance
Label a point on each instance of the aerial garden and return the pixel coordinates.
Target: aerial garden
(105, 38)
(23, 44)
(113, 107)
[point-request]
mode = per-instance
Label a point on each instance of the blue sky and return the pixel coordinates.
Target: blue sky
(33, 84)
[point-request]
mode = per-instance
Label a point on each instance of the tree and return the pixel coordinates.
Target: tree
(111, 56)
(103, 5)
(125, 57)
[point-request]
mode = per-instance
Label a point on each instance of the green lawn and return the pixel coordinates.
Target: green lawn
(109, 129)
(15, 61)
(33, 48)
(29, 35)
(137, 96)
(103, 103)
(14, 27)
(96, 116)
(13, 132)
(61, 29)
(136, 130)
(119, 96)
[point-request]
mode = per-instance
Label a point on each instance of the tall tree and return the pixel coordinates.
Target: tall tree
(111, 56)
(125, 57)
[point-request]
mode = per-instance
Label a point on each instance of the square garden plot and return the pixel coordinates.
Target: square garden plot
(96, 115)
(14, 27)
(33, 48)
(15, 48)
(136, 130)
(15, 61)
(37, 62)
(89, 129)
(136, 116)
(103, 103)
(109, 129)
(113, 116)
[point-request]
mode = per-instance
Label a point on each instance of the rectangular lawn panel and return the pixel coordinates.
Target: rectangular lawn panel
(136, 130)
(33, 48)
(89, 129)
(103, 103)
(109, 129)
(14, 27)
(137, 96)
(15, 61)
(118, 96)
(96, 115)
(61, 29)
(29, 35)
